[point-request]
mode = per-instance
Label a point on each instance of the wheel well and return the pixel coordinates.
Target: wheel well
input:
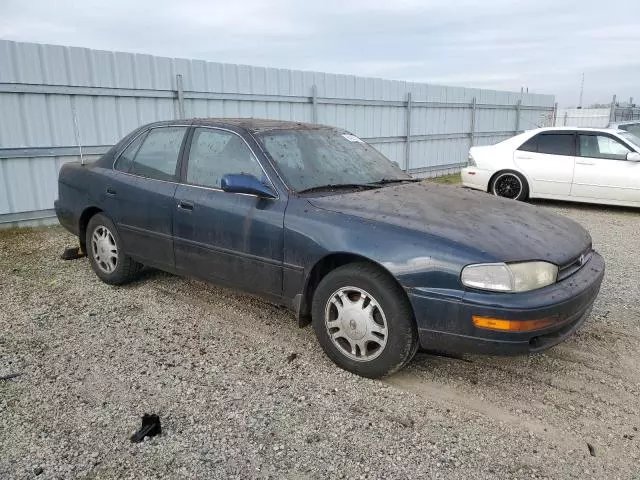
(82, 225)
(320, 270)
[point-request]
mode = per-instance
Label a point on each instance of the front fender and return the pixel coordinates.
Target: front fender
(414, 259)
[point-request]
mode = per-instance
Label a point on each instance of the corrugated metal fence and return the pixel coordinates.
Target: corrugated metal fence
(54, 99)
(583, 117)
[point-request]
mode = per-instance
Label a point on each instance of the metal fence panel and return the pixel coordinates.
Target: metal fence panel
(583, 117)
(42, 88)
(625, 114)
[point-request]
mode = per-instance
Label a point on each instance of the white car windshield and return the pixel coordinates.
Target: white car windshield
(633, 128)
(630, 137)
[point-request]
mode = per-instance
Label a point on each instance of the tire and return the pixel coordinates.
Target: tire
(509, 184)
(106, 252)
(385, 313)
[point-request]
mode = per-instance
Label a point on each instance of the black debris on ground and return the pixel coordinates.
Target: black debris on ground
(72, 253)
(150, 428)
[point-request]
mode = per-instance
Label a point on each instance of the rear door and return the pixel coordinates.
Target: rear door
(228, 238)
(603, 171)
(139, 194)
(548, 161)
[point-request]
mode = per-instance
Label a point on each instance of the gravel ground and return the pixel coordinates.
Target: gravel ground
(235, 402)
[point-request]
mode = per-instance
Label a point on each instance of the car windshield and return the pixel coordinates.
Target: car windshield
(630, 137)
(633, 128)
(313, 158)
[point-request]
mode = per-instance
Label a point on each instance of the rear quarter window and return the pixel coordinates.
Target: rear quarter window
(125, 160)
(530, 145)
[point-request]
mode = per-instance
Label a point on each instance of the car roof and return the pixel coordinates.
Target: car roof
(258, 125)
(574, 129)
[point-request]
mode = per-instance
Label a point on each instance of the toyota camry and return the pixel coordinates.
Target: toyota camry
(313, 218)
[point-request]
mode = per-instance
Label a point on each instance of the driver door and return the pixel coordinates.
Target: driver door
(602, 170)
(232, 239)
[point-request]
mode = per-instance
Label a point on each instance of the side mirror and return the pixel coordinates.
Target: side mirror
(633, 156)
(245, 183)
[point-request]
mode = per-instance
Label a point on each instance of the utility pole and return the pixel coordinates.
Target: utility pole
(581, 91)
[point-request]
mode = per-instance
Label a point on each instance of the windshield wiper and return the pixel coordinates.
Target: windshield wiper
(339, 186)
(386, 181)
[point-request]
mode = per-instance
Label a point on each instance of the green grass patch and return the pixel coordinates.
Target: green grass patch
(453, 179)
(18, 233)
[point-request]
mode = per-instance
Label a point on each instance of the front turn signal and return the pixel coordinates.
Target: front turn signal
(503, 325)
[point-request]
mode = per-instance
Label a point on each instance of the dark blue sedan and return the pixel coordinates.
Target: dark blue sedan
(313, 218)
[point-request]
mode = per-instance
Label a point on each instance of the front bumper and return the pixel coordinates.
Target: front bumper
(474, 177)
(445, 324)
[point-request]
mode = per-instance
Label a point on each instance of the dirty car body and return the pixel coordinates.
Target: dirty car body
(268, 229)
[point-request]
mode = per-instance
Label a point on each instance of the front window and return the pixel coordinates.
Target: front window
(602, 146)
(215, 153)
(310, 158)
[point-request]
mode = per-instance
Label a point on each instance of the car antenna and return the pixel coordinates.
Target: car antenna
(76, 129)
(530, 122)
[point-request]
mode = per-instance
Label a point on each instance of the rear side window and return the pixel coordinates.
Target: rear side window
(157, 157)
(550, 144)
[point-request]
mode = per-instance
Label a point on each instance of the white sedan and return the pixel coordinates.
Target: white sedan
(577, 164)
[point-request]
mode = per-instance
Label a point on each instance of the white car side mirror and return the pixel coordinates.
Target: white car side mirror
(633, 156)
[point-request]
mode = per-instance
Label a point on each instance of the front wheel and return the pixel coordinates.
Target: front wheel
(364, 321)
(509, 184)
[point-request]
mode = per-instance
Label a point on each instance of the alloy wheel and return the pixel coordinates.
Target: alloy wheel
(507, 185)
(104, 249)
(356, 324)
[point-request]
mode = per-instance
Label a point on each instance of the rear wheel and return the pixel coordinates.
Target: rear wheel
(363, 321)
(510, 184)
(104, 248)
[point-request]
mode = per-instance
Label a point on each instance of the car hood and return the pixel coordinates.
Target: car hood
(507, 230)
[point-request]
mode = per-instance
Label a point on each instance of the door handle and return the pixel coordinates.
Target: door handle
(184, 205)
(585, 163)
(111, 191)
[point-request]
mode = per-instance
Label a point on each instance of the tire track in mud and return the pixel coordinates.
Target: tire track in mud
(451, 397)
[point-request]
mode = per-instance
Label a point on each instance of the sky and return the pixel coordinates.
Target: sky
(543, 45)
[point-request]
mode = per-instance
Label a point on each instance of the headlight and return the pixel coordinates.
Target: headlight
(512, 277)
(470, 161)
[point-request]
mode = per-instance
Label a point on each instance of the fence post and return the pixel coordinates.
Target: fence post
(518, 105)
(554, 116)
(612, 112)
(314, 104)
(407, 153)
(473, 120)
(180, 92)
(566, 115)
